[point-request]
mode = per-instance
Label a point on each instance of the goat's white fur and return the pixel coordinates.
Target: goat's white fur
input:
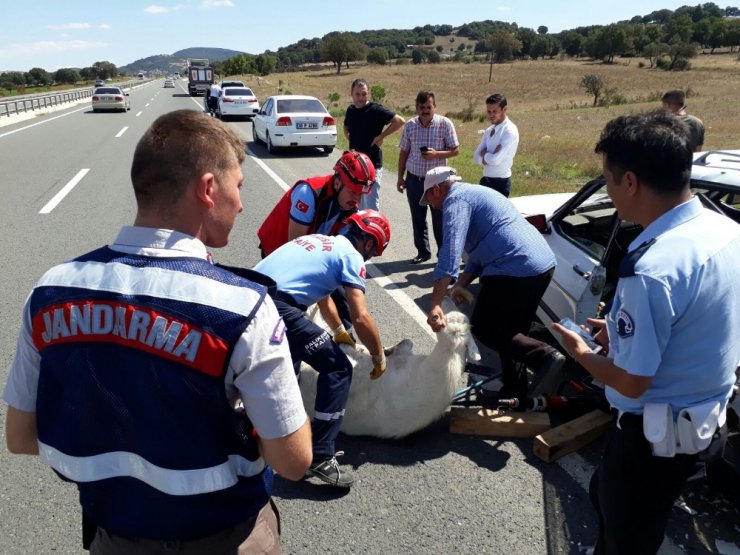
(414, 391)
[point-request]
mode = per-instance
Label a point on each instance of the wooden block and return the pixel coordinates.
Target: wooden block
(573, 435)
(487, 422)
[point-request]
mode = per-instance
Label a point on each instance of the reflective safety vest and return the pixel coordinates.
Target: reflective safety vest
(131, 402)
(273, 232)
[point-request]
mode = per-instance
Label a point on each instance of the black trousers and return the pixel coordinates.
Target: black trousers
(633, 491)
(414, 191)
(500, 184)
(501, 319)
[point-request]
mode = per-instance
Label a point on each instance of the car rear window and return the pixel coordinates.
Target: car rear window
(293, 105)
(238, 92)
(107, 90)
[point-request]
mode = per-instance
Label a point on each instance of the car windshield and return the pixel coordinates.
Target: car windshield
(294, 105)
(108, 90)
(238, 92)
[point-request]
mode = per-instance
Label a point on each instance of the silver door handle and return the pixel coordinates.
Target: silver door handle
(581, 273)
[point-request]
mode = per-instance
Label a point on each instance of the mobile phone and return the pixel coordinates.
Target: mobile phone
(424, 149)
(569, 324)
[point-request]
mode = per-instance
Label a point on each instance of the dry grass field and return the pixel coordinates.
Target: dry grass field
(557, 124)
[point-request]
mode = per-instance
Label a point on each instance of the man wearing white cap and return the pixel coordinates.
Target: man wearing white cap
(514, 264)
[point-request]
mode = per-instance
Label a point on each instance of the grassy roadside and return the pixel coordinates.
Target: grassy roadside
(558, 127)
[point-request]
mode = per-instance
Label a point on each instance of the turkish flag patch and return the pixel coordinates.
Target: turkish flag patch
(301, 206)
(362, 272)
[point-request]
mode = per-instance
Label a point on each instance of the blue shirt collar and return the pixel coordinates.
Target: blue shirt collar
(673, 218)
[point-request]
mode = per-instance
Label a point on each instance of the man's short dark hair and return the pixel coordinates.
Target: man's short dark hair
(423, 96)
(358, 83)
(497, 98)
(674, 97)
(178, 147)
(653, 145)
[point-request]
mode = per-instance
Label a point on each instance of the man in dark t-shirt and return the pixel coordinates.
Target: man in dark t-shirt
(366, 125)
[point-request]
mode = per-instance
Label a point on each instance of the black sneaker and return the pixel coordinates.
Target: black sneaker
(328, 471)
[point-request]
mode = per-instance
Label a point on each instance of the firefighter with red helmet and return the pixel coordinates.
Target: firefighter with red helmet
(306, 270)
(318, 204)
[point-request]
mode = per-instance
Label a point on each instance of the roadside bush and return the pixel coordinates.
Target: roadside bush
(681, 65)
(377, 93)
(334, 98)
(377, 56)
(663, 63)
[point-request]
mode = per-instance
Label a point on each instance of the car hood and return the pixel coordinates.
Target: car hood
(540, 204)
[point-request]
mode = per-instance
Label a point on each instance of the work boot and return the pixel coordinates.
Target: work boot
(327, 470)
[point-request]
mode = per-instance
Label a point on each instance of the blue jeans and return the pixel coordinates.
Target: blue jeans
(500, 184)
(311, 344)
(414, 190)
(372, 199)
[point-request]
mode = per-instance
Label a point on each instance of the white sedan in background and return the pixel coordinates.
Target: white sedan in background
(237, 102)
(294, 121)
(110, 99)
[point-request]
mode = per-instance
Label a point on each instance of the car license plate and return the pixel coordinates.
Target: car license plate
(240, 102)
(306, 125)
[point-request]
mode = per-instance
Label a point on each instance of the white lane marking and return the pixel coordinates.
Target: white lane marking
(146, 105)
(275, 177)
(138, 114)
(121, 132)
(41, 122)
(64, 191)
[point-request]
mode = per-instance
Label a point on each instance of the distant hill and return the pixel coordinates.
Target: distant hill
(170, 63)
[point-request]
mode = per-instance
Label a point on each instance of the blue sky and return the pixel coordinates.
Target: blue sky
(76, 33)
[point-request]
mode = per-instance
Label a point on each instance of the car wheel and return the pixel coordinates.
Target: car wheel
(328, 149)
(255, 138)
(270, 147)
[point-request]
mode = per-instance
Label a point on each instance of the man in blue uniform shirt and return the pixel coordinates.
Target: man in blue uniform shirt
(671, 334)
(307, 270)
(514, 264)
(132, 359)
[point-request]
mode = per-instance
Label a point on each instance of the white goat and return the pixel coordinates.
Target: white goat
(414, 391)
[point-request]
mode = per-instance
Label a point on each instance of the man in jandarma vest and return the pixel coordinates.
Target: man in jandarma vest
(132, 359)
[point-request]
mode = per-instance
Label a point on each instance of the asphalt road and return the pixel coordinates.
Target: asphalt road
(433, 492)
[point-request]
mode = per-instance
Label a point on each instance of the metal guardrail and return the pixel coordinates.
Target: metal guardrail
(38, 102)
(21, 104)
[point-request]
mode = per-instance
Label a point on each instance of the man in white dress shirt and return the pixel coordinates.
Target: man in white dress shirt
(497, 149)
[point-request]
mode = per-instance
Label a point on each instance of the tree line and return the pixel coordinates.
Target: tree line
(667, 39)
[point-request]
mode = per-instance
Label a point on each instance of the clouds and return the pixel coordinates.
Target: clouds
(77, 26)
(47, 47)
(156, 9)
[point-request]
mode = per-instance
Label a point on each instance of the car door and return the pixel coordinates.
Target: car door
(260, 122)
(581, 235)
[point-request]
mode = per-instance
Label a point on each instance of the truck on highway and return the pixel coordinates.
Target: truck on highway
(200, 76)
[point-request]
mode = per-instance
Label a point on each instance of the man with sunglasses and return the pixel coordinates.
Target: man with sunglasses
(427, 141)
(307, 270)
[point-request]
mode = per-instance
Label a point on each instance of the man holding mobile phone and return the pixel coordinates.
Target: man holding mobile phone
(427, 141)
(672, 333)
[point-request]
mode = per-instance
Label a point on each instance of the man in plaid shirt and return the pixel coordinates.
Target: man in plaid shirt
(427, 141)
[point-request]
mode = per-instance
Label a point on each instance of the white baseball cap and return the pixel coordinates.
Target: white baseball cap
(435, 176)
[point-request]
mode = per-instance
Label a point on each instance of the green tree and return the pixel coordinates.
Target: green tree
(653, 51)
(341, 48)
(680, 53)
(572, 43)
(433, 57)
(39, 76)
(503, 46)
(66, 75)
(377, 93)
(377, 56)
(594, 85)
(418, 56)
(105, 70)
(265, 63)
(542, 30)
(527, 37)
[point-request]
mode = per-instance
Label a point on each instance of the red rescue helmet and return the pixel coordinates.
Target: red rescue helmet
(375, 224)
(356, 171)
